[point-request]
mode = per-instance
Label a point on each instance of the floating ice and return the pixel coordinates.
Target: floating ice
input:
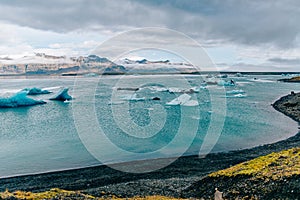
(235, 92)
(211, 81)
(237, 96)
(157, 88)
(225, 83)
(18, 100)
(197, 89)
(191, 103)
(133, 97)
(184, 100)
(262, 80)
(239, 75)
(35, 91)
(179, 100)
(240, 95)
(62, 95)
(115, 102)
(175, 90)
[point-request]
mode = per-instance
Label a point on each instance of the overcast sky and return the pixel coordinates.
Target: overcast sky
(237, 35)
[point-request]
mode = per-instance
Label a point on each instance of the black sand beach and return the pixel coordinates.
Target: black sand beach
(175, 180)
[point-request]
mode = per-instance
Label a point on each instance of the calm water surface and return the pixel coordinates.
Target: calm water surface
(44, 137)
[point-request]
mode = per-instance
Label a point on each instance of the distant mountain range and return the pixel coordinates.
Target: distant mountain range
(43, 64)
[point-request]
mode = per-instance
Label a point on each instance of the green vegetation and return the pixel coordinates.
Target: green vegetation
(274, 166)
(53, 193)
(57, 193)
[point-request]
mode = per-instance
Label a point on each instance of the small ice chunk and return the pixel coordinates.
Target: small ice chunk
(175, 90)
(235, 92)
(240, 95)
(133, 97)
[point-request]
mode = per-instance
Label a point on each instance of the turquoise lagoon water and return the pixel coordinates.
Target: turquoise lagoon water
(51, 137)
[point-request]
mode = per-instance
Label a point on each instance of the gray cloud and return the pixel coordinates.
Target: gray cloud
(245, 22)
(246, 67)
(295, 61)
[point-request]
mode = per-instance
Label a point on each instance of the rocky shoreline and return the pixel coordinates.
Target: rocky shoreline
(289, 105)
(176, 180)
(291, 80)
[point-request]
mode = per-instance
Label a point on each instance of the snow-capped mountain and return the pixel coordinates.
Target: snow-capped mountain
(160, 66)
(41, 63)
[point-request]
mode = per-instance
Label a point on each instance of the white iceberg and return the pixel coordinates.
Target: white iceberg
(237, 96)
(157, 88)
(180, 100)
(18, 100)
(240, 95)
(175, 90)
(226, 83)
(133, 97)
(191, 103)
(184, 100)
(196, 89)
(235, 92)
(62, 95)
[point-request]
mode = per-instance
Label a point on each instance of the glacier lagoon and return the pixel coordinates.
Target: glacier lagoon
(45, 137)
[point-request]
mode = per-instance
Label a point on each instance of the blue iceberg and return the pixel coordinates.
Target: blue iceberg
(62, 95)
(226, 83)
(18, 100)
(35, 91)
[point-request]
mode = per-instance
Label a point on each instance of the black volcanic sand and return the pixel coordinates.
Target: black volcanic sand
(177, 179)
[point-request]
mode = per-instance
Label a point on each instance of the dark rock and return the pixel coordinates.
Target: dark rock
(156, 98)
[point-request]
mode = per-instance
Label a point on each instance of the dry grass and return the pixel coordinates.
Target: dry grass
(297, 78)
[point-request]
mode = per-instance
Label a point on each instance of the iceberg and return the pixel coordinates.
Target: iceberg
(226, 83)
(184, 100)
(196, 89)
(133, 97)
(179, 100)
(62, 95)
(175, 90)
(35, 91)
(158, 89)
(235, 92)
(240, 95)
(239, 75)
(191, 103)
(18, 100)
(237, 96)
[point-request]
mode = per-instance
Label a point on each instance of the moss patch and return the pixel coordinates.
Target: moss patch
(273, 166)
(54, 193)
(57, 193)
